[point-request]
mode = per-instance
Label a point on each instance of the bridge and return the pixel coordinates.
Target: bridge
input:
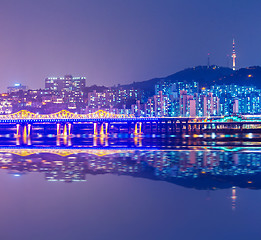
(102, 123)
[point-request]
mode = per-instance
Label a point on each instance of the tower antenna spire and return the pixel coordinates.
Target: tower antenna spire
(234, 55)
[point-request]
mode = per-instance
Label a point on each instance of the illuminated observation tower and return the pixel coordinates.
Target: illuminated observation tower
(234, 55)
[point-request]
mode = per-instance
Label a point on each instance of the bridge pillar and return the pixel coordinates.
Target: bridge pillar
(58, 129)
(28, 133)
(24, 131)
(24, 134)
(104, 128)
(101, 129)
(136, 128)
(18, 130)
(69, 129)
(95, 128)
(29, 128)
(65, 133)
(64, 130)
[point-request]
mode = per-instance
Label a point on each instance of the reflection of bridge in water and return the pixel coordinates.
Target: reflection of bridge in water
(103, 123)
(200, 168)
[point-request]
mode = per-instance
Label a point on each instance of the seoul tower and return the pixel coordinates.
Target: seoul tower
(234, 55)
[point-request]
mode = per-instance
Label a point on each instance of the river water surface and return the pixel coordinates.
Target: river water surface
(134, 191)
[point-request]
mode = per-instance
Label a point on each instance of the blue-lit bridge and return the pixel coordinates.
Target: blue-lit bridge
(102, 123)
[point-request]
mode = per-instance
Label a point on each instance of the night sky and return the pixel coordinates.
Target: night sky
(111, 42)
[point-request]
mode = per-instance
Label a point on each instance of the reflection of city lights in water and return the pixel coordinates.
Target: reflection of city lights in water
(58, 141)
(65, 140)
(192, 166)
(233, 197)
(69, 141)
(95, 141)
(250, 135)
(17, 141)
(29, 141)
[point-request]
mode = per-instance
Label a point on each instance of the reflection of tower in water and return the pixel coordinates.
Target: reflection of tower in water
(233, 197)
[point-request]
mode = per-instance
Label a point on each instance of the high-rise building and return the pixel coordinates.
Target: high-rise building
(235, 106)
(67, 83)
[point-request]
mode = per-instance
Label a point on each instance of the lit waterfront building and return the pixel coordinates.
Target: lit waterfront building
(238, 99)
(114, 100)
(67, 83)
(161, 104)
(123, 96)
(101, 100)
(158, 106)
(68, 90)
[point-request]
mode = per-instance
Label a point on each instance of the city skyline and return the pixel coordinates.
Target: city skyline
(167, 98)
(124, 43)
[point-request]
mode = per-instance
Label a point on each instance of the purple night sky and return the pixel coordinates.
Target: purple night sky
(118, 41)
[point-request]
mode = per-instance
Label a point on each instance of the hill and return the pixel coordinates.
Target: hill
(206, 76)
